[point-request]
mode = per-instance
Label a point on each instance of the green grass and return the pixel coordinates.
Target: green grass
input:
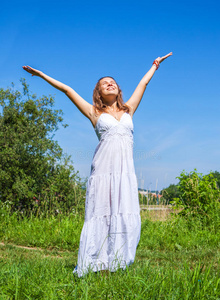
(175, 260)
(60, 232)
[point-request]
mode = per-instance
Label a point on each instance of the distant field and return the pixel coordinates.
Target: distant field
(157, 212)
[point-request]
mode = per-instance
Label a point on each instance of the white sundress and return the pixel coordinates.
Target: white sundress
(111, 230)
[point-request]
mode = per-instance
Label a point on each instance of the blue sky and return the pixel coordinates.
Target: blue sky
(176, 126)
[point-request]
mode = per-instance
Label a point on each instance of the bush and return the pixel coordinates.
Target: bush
(200, 197)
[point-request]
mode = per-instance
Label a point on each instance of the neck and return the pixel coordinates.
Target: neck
(112, 107)
(111, 104)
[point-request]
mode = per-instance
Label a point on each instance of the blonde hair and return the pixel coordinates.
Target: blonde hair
(98, 103)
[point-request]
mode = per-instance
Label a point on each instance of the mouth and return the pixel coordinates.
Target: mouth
(110, 89)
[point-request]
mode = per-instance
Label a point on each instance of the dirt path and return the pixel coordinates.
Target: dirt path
(23, 247)
(36, 249)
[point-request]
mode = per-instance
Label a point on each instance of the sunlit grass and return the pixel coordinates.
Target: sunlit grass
(173, 261)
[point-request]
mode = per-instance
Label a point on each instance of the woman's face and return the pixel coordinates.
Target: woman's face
(108, 87)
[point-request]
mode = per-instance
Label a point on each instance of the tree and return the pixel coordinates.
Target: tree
(30, 160)
(171, 192)
(217, 177)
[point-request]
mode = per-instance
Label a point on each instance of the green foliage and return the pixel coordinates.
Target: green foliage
(33, 169)
(200, 196)
(217, 177)
(171, 192)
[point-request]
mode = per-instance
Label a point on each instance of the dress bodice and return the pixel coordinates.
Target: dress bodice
(108, 126)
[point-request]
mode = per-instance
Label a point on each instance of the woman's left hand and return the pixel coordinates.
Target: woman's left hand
(160, 59)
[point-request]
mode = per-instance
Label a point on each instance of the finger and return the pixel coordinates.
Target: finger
(164, 57)
(169, 54)
(28, 69)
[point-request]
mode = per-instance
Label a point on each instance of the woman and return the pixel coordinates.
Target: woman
(111, 230)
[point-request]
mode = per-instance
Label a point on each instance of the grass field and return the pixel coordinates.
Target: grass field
(175, 260)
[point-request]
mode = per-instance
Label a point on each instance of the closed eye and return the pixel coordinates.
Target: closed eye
(106, 82)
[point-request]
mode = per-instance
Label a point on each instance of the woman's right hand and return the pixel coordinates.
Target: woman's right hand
(32, 71)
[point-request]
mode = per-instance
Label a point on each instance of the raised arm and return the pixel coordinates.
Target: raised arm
(136, 97)
(81, 104)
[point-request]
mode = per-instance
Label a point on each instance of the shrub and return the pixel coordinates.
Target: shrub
(200, 196)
